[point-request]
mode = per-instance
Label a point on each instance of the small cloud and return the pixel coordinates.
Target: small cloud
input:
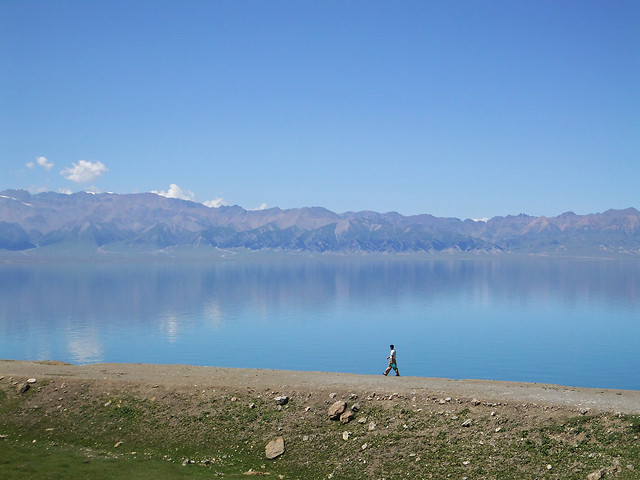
(262, 206)
(215, 203)
(480, 219)
(176, 192)
(44, 163)
(84, 171)
(65, 191)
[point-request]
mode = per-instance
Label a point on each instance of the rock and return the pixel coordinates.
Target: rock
(117, 445)
(372, 426)
(346, 416)
(274, 448)
(186, 462)
(467, 423)
(255, 473)
(345, 436)
(597, 475)
(32, 380)
(364, 446)
(282, 400)
(333, 395)
(355, 407)
(22, 388)
(337, 409)
(353, 396)
(475, 401)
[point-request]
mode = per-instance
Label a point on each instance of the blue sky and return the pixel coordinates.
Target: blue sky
(469, 109)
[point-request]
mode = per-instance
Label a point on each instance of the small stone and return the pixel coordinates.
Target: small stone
(346, 416)
(333, 395)
(498, 429)
(353, 396)
(274, 448)
(307, 409)
(355, 407)
(345, 436)
(364, 446)
(372, 426)
(549, 467)
(467, 423)
(117, 444)
(108, 403)
(282, 400)
(186, 462)
(22, 388)
(32, 380)
(597, 475)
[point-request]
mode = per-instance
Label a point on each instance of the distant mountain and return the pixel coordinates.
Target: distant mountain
(34, 221)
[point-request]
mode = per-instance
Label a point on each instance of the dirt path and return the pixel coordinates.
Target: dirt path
(179, 376)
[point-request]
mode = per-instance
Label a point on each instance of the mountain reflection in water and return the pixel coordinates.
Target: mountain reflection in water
(573, 322)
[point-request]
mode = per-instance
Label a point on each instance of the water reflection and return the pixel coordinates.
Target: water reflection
(495, 318)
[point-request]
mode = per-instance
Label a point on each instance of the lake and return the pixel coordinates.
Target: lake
(569, 322)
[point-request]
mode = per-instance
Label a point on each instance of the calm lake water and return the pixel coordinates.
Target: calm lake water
(570, 322)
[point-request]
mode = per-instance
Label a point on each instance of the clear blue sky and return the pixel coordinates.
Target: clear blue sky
(467, 109)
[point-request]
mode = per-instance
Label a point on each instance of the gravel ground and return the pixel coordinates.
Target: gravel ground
(181, 376)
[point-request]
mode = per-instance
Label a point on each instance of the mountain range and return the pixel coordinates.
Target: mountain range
(29, 221)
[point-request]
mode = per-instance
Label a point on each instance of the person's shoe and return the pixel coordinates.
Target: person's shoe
(397, 374)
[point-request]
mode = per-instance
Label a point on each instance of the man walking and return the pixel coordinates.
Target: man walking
(392, 362)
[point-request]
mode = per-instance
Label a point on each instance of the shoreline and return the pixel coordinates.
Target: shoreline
(186, 376)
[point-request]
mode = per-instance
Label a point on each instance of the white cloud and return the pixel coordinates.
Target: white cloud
(215, 203)
(176, 192)
(84, 171)
(44, 163)
(262, 206)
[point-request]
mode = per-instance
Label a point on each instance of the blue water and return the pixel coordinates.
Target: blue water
(569, 322)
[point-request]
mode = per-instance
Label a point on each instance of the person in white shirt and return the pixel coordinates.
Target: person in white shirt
(392, 362)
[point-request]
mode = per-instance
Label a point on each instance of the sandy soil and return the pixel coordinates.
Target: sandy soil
(185, 376)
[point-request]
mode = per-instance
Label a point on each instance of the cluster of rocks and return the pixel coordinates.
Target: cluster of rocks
(23, 387)
(339, 411)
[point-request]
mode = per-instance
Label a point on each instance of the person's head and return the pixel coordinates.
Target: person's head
(391, 346)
